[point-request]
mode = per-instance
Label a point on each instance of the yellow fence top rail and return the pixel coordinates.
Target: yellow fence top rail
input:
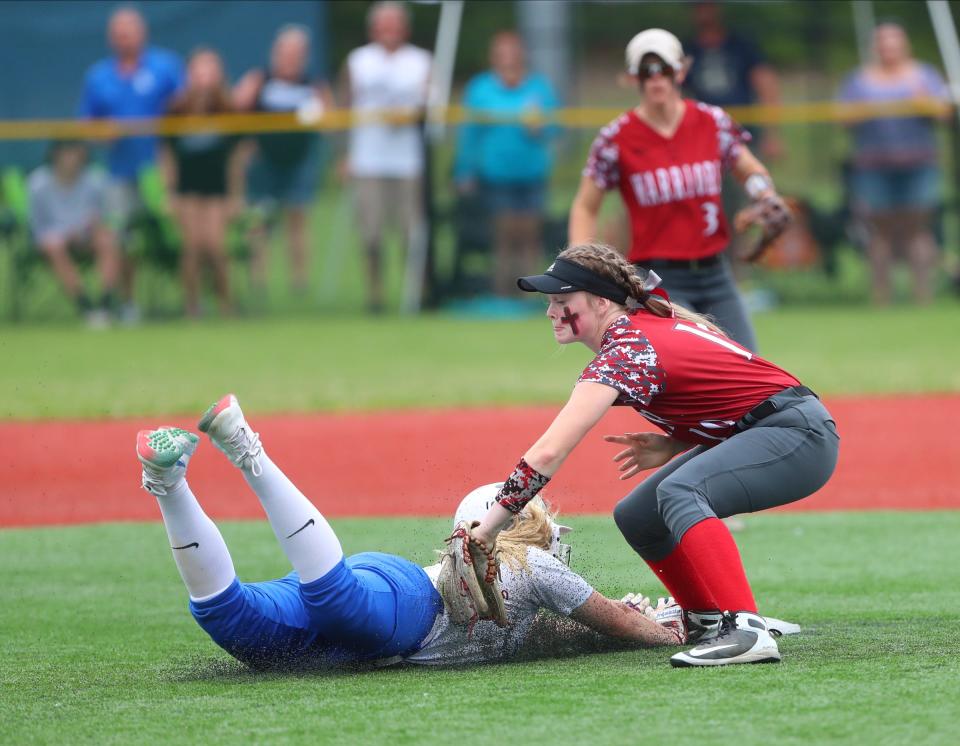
(342, 119)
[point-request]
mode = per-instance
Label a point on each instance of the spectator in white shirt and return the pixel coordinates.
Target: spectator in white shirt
(385, 82)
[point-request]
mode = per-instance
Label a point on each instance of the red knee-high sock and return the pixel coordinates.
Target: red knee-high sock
(710, 548)
(683, 581)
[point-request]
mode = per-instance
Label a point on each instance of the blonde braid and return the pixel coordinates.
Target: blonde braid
(611, 264)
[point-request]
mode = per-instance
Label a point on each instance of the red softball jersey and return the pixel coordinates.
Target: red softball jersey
(670, 185)
(690, 382)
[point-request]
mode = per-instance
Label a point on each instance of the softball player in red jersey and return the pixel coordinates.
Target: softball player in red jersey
(667, 158)
(741, 435)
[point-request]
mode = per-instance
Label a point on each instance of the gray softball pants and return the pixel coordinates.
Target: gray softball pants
(780, 459)
(711, 291)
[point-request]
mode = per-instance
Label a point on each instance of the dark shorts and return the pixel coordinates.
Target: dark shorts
(522, 197)
(369, 606)
(292, 185)
(880, 190)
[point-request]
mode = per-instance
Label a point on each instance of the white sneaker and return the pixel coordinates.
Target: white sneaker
(779, 627)
(164, 454)
(228, 430)
(741, 638)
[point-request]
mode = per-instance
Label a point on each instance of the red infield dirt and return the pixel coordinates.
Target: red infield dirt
(896, 453)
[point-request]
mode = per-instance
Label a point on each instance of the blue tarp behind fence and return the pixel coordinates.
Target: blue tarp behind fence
(46, 48)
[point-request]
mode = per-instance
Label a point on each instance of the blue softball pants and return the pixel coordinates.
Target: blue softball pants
(369, 606)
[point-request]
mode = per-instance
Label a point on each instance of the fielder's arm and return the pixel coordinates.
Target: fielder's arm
(582, 225)
(767, 208)
(616, 619)
(587, 404)
(748, 165)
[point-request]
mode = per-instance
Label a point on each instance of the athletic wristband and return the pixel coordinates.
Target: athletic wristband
(521, 487)
(757, 185)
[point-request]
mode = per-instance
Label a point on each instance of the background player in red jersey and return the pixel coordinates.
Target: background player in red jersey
(751, 437)
(667, 157)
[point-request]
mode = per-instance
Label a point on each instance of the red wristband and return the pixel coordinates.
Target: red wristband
(521, 487)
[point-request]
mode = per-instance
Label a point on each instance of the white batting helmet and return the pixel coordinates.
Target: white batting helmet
(475, 505)
(656, 41)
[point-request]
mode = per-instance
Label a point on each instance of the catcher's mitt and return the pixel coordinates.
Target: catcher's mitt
(468, 581)
(771, 215)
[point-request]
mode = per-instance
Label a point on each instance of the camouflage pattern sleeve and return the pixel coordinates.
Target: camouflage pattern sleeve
(731, 137)
(603, 161)
(521, 487)
(628, 363)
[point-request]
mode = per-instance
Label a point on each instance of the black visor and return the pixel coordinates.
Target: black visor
(564, 276)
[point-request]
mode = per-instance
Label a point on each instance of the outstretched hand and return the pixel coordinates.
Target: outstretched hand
(644, 451)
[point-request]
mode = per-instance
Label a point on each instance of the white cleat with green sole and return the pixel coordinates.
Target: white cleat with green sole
(164, 454)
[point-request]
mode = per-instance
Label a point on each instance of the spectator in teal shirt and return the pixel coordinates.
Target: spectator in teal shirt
(504, 156)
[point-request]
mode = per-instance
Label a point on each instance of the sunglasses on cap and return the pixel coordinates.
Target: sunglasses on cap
(649, 70)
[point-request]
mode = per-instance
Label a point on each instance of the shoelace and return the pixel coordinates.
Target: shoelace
(247, 447)
(728, 624)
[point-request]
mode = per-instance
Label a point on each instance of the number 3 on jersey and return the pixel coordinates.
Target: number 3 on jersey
(704, 333)
(711, 216)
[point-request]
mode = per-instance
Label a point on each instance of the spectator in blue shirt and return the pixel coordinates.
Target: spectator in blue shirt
(896, 178)
(137, 81)
(504, 153)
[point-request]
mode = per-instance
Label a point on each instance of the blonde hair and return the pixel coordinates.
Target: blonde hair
(609, 263)
(531, 527)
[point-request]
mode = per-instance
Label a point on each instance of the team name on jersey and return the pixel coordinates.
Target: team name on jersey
(676, 183)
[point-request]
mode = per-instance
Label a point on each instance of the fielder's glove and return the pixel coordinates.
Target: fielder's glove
(771, 214)
(469, 579)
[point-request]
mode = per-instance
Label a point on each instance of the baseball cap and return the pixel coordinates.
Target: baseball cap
(475, 505)
(654, 41)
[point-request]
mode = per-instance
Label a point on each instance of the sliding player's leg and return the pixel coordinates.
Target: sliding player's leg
(258, 623)
(304, 534)
(374, 605)
(198, 548)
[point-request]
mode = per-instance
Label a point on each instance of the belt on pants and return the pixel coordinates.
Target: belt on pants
(768, 406)
(694, 264)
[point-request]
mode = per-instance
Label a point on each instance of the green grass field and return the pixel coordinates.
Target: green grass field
(347, 362)
(96, 645)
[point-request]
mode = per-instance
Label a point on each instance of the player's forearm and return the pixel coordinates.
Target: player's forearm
(617, 620)
(746, 165)
(582, 224)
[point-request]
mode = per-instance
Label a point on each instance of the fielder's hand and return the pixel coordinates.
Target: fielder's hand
(644, 451)
(468, 581)
(771, 214)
